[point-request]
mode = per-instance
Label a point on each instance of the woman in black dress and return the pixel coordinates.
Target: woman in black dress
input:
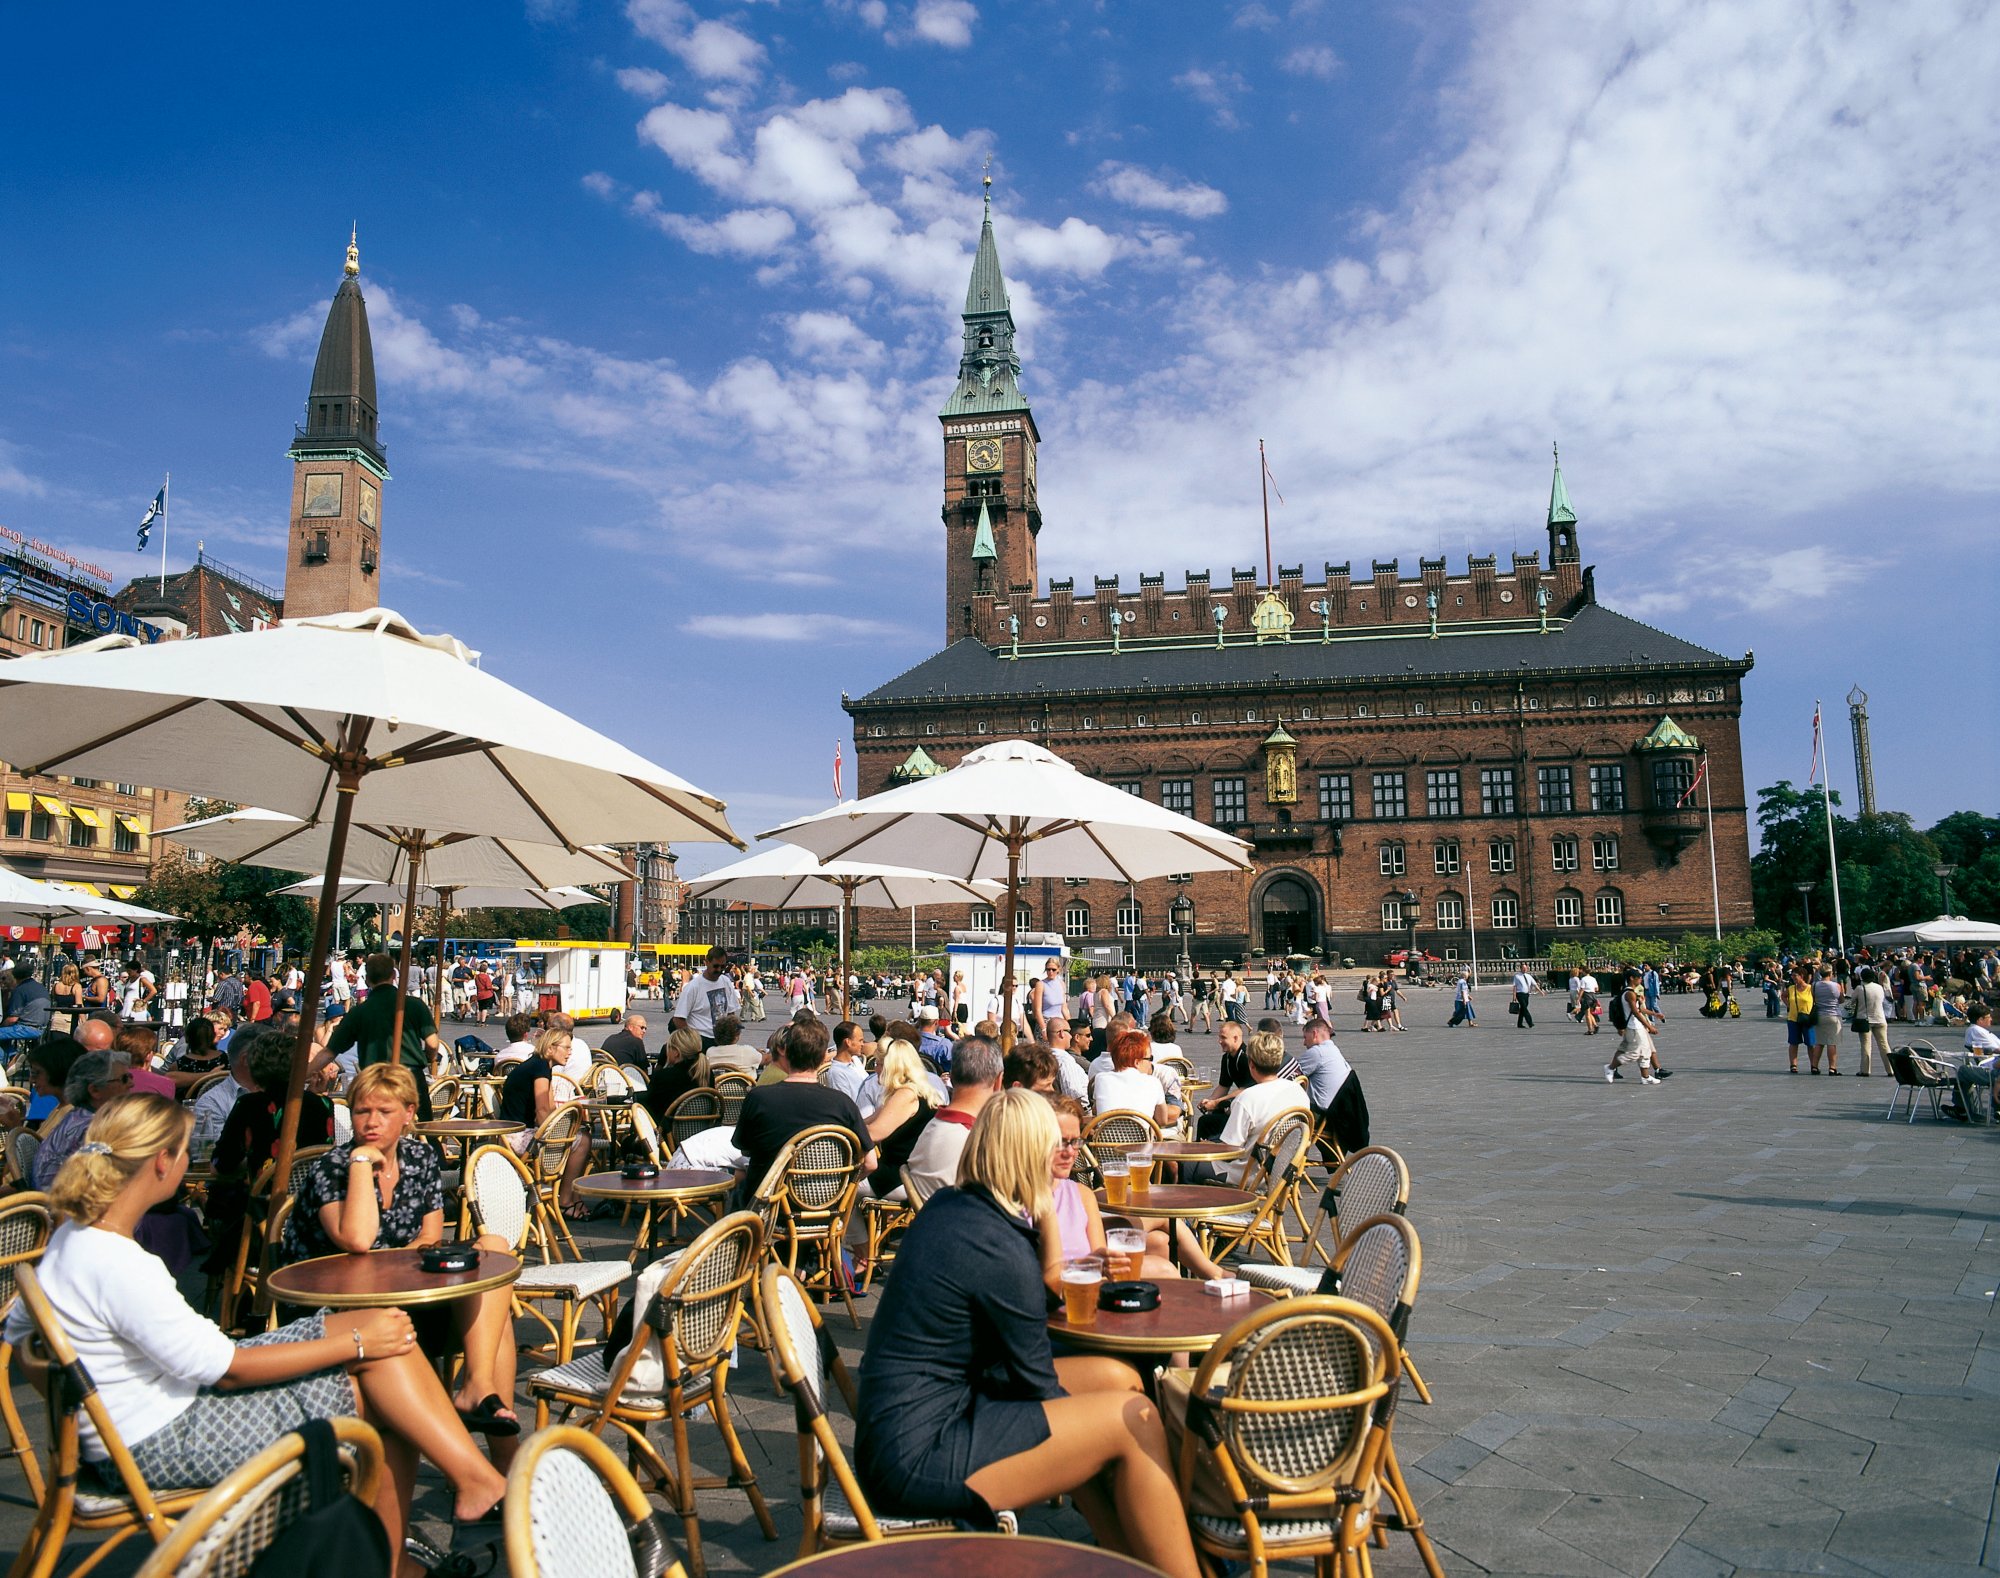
(963, 1409)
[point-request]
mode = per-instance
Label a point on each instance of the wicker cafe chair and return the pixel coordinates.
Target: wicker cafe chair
(688, 1330)
(1112, 1134)
(500, 1192)
(1372, 1182)
(21, 1151)
(222, 1534)
(806, 1200)
(1277, 1165)
(256, 1243)
(548, 1154)
(25, 1225)
(1278, 1438)
(574, 1511)
(445, 1095)
(133, 1508)
(692, 1112)
(831, 1503)
(635, 1077)
(732, 1085)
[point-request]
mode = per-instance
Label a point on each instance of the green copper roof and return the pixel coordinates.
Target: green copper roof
(982, 539)
(989, 370)
(1278, 736)
(1668, 735)
(1560, 514)
(918, 765)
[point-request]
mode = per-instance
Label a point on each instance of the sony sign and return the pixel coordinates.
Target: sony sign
(88, 613)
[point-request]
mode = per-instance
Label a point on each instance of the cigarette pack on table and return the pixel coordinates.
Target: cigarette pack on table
(1226, 1287)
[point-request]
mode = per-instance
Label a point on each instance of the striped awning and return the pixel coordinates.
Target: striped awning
(89, 816)
(52, 805)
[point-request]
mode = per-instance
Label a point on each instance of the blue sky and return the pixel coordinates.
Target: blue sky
(664, 299)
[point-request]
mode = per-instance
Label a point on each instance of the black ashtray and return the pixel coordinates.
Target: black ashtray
(624, 1100)
(639, 1172)
(448, 1257)
(1129, 1298)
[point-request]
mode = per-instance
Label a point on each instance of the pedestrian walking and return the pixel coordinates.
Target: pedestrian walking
(1462, 1011)
(1636, 1026)
(1524, 988)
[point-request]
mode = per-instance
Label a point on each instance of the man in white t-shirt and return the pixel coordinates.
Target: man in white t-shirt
(1975, 1074)
(1266, 1098)
(975, 1080)
(708, 996)
(520, 1041)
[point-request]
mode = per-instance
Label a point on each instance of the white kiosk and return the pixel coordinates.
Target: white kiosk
(982, 957)
(586, 980)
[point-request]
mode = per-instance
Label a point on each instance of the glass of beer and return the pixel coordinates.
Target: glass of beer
(1117, 1180)
(1139, 1161)
(1080, 1281)
(1125, 1248)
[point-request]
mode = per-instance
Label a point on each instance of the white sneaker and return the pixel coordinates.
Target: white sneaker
(1649, 1080)
(1610, 1073)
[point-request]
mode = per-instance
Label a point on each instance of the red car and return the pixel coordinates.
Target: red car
(1401, 957)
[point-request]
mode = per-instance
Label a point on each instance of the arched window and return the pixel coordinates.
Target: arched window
(1444, 857)
(1610, 908)
(1450, 912)
(1076, 920)
(1392, 913)
(1391, 858)
(981, 918)
(1569, 910)
(1024, 917)
(1506, 912)
(1129, 917)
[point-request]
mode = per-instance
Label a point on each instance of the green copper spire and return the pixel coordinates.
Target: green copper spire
(982, 538)
(1667, 735)
(1560, 514)
(989, 369)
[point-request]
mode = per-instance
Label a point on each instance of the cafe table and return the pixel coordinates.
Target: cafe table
(1195, 1151)
(385, 1277)
(1183, 1203)
(1189, 1320)
(968, 1556)
(675, 1188)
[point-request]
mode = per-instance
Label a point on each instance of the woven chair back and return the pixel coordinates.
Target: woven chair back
(823, 1172)
(794, 1331)
(497, 1189)
(574, 1511)
(21, 1154)
(552, 1141)
(445, 1094)
(697, 1307)
(1112, 1134)
(608, 1079)
(1380, 1266)
(25, 1225)
(1371, 1182)
(645, 1132)
(695, 1111)
(733, 1086)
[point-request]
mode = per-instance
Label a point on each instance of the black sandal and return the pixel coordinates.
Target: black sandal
(486, 1418)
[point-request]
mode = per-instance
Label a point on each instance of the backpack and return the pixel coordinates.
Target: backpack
(1621, 1013)
(339, 1536)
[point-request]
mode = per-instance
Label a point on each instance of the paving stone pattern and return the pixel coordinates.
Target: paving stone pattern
(1732, 1323)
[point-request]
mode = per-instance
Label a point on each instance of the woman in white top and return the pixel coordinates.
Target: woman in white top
(193, 1405)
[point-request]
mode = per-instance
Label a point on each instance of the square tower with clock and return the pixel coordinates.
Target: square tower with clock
(991, 515)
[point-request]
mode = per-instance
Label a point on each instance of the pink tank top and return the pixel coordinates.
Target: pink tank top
(1072, 1220)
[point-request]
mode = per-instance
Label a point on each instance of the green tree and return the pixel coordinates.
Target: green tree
(217, 898)
(798, 939)
(1971, 843)
(586, 923)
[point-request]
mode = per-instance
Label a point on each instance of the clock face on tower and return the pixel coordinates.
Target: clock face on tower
(983, 454)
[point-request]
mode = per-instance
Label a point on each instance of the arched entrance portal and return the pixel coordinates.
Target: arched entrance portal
(1288, 912)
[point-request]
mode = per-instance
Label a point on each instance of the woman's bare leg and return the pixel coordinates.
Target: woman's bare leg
(1116, 1442)
(487, 1340)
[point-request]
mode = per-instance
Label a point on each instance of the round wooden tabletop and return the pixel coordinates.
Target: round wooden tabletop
(969, 1556)
(386, 1277)
(671, 1183)
(1189, 1202)
(1189, 1320)
(470, 1128)
(1194, 1151)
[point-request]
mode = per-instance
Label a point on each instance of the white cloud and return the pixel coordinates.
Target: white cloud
(644, 82)
(1140, 188)
(1311, 60)
(14, 478)
(946, 22)
(1219, 90)
(743, 233)
(821, 629)
(712, 50)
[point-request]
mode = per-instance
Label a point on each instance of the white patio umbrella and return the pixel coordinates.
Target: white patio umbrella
(351, 718)
(1012, 810)
(24, 900)
(1930, 933)
(445, 897)
(399, 857)
(784, 876)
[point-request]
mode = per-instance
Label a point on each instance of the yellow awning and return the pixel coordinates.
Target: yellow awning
(132, 824)
(81, 887)
(20, 802)
(89, 816)
(52, 805)
(121, 891)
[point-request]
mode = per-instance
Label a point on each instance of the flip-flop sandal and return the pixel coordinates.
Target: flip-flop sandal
(488, 1418)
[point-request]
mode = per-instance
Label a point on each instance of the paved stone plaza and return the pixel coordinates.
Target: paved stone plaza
(1734, 1323)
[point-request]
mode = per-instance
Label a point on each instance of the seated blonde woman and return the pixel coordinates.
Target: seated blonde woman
(527, 1097)
(384, 1190)
(907, 1106)
(1074, 1229)
(191, 1404)
(963, 1407)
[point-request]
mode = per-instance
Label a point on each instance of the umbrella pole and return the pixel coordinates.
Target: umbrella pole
(329, 901)
(1013, 920)
(846, 902)
(403, 972)
(437, 986)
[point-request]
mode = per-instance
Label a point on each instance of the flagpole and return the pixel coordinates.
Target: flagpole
(1264, 483)
(1471, 926)
(1714, 889)
(1832, 860)
(166, 496)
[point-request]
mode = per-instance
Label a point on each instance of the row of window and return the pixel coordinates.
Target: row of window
(71, 830)
(1389, 793)
(1565, 854)
(1077, 919)
(1505, 912)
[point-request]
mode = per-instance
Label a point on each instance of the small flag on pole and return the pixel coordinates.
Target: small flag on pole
(836, 769)
(1269, 478)
(1818, 762)
(1700, 773)
(152, 514)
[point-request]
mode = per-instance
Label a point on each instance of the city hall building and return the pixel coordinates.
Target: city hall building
(1417, 759)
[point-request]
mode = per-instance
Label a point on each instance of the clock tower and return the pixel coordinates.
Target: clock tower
(338, 467)
(991, 516)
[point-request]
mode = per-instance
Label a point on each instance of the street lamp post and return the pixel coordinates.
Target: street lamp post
(1944, 870)
(1413, 910)
(1805, 897)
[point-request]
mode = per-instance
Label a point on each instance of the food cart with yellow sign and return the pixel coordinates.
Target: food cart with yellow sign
(585, 980)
